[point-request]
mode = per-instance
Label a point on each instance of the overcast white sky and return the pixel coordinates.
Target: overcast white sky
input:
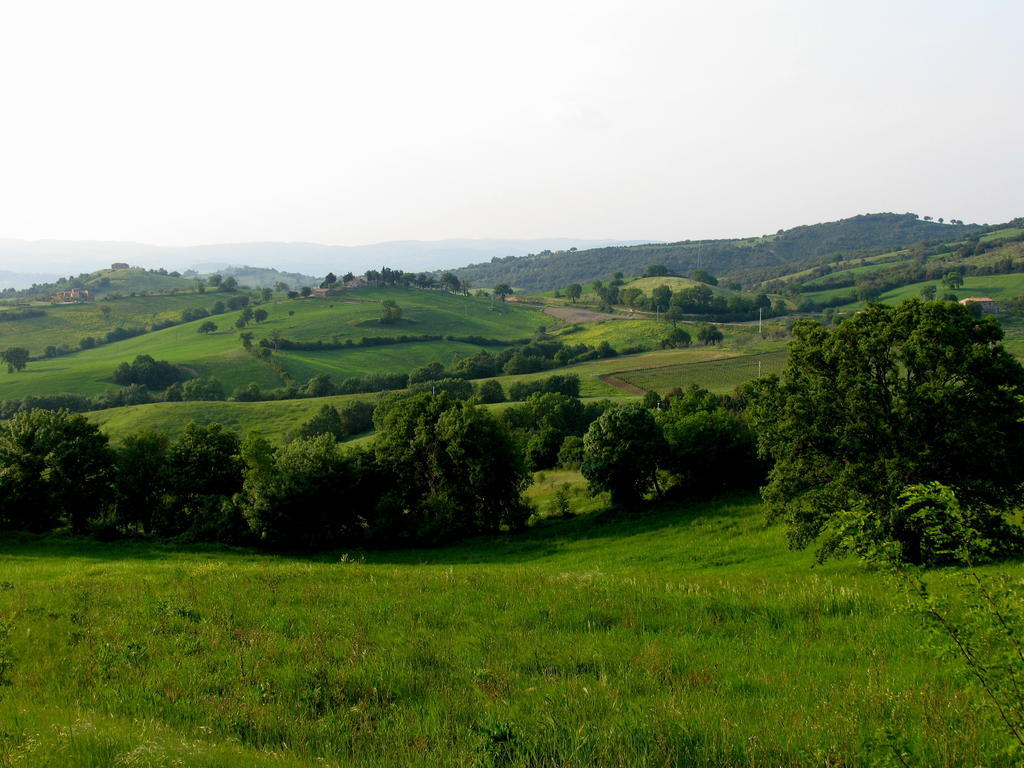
(341, 122)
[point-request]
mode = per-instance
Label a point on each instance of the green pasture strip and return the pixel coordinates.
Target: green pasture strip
(273, 419)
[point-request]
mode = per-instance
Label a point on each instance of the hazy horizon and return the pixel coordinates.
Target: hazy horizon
(231, 122)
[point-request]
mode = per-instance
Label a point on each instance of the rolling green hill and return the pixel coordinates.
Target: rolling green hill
(546, 271)
(335, 319)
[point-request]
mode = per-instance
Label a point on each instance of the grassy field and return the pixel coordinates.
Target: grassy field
(677, 636)
(69, 323)
(721, 375)
(272, 419)
(220, 354)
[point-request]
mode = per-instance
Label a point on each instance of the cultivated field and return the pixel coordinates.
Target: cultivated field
(721, 375)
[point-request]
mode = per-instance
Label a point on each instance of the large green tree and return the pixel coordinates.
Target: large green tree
(15, 357)
(55, 468)
(893, 396)
(140, 479)
(203, 471)
(622, 451)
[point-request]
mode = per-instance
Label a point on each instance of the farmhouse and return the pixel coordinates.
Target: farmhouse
(988, 306)
(74, 296)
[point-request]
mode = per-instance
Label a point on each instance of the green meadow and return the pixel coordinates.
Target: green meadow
(70, 323)
(272, 419)
(681, 635)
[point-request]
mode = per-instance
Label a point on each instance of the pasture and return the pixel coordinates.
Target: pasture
(680, 635)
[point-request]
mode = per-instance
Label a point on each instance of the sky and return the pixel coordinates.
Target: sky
(181, 123)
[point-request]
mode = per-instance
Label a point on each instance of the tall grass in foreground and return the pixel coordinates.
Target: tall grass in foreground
(671, 637)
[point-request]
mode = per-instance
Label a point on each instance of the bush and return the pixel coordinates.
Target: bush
(491, 392)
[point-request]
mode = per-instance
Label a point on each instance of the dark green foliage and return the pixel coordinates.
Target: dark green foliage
(54, 470)
(12, 315)
(709, 449)
(203, 472)
(570, 455)
(207, 327)
(457, 388)
(150, 373)
(390, 312)
(456, 469)
(709, 334)
(892, 397)
(676, 338)
(622, 450)
(320, 386)
(250, 394)
(193, 313)
(202, 389)
(428, 372)
(16, 358)
(351, 418)
(297, 497)
(703, 276)
(140, 480)
(567, 384)
(491, 392)
(482, 365)
(542, 447)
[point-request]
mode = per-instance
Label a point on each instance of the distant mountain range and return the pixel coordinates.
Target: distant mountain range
(72, 257)
(21, 280)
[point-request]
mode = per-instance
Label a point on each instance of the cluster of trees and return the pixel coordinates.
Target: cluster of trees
(351, 418)
(439, 469)
(150, 373)
(698, 301)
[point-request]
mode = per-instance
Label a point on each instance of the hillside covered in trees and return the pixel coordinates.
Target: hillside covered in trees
(742, 256)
